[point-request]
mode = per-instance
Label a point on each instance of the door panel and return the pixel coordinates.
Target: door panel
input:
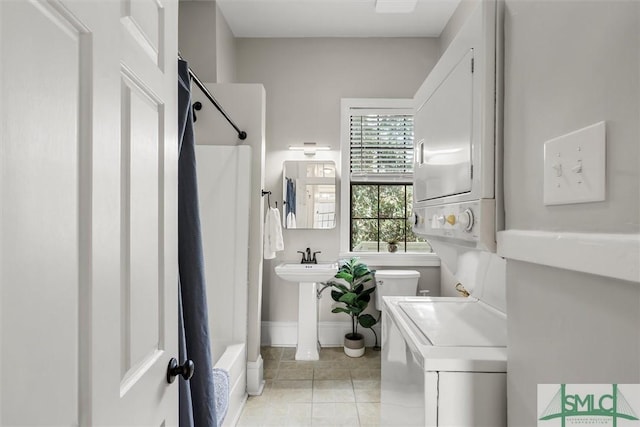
(40, 211)
(148, 215)
(141, 145)
(88, 226)
(144, 21)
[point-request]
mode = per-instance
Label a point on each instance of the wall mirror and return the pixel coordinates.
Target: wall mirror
(309, 192)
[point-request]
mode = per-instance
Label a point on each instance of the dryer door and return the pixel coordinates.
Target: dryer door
(443, 131)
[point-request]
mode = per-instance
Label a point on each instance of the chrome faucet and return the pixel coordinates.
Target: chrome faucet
(307, 258)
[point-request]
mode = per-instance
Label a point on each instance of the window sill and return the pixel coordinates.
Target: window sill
(404, 259)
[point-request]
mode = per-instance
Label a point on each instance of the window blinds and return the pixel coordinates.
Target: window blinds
(381, 147)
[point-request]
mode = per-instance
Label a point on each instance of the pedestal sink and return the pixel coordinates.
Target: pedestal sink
(307, 275)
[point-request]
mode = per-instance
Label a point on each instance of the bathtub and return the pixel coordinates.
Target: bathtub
(234, 360)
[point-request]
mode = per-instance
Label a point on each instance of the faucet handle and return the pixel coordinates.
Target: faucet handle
(304, 259)
(314, 260)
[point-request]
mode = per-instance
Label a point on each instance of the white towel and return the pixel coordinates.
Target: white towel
(273, 241)
(291, 220)
(221, 385)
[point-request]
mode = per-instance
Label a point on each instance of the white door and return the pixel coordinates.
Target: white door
(88, 225)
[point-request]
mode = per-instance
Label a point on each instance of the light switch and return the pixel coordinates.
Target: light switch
(574, 166)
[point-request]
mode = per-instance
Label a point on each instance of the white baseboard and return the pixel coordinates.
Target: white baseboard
(255, 377)
(330, 334)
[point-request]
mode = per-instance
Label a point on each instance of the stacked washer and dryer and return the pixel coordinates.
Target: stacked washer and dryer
(444, 359)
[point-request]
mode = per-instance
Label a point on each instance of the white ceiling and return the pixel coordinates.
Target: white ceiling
(333, 18)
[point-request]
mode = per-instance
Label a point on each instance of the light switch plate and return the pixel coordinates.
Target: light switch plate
(574, 166)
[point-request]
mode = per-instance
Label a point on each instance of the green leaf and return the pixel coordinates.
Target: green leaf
(361, 304)
(362, 280)
(335, 295)
(367, 321)
(365, 298)
(340, 310)
(340, 286)
(360, 269)
(368, 291)
(345, 276)
(349, 298)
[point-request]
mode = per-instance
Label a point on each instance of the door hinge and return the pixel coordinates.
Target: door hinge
(472, 64)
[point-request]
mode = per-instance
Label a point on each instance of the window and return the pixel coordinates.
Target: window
(381, 215)
(377, 179)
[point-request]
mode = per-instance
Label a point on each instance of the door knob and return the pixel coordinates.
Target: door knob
(173, 370)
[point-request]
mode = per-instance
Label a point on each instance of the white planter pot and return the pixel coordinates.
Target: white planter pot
(354, 347)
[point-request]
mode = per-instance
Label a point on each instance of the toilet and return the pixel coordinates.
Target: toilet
(395, 283)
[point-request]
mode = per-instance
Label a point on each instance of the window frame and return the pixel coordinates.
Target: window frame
(380, 106)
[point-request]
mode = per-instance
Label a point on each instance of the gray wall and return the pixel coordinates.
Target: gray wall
(456, 21)
(197, 36)
(568, 65)
(225, 50)
(304, 80)
(567, 327)
(206, 41)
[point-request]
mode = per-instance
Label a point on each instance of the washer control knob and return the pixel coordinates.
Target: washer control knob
(451, 219)
(466, 220)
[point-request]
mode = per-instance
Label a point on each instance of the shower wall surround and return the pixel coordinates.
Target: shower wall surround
(246, 104)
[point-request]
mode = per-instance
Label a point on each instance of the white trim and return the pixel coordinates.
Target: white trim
(278, 334)
(330, 334)
(255, 381)
(382, 259)
(610, 255)
(232, 418)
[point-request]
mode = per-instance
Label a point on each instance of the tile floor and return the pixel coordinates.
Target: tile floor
(334, 391)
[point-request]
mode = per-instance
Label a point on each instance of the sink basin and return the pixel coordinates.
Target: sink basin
(296, 272)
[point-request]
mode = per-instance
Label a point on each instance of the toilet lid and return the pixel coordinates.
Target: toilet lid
(405, 274)
(458, 324)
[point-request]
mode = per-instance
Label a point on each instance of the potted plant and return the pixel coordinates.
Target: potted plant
(354, 297)
(392, 245)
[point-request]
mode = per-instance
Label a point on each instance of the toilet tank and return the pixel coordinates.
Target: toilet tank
(395, 283)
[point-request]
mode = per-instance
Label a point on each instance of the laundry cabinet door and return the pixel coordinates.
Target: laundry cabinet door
(88, 196)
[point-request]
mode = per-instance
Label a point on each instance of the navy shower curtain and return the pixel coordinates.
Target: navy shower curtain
(197, 402)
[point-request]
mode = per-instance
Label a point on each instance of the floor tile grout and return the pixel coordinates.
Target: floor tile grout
(286, 398)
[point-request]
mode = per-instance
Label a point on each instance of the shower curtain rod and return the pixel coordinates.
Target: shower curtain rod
(241, 134)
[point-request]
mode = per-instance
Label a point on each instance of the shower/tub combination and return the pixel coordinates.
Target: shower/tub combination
(223, 189)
